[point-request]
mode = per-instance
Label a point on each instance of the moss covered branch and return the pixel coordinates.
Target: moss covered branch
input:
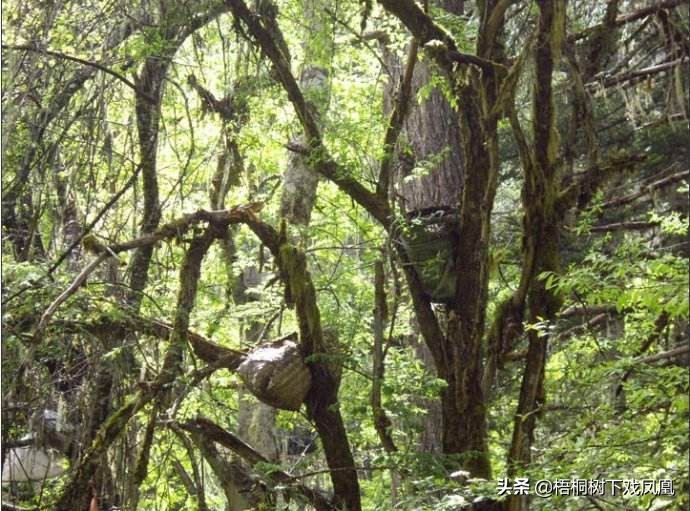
(208, 430)
(115, 425)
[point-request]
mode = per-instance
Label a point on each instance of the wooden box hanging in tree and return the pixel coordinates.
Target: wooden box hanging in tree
(428, 241)
(277, 374)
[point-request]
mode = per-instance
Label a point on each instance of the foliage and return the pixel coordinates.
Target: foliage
(614, 397)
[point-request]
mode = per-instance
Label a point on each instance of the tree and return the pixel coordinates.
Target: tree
(496, 121)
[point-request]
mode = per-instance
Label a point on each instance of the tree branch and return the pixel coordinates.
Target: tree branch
(580, 192)
(76, 284)
(432, 37)
(624, 226)
(588, 310)
(113, 200)
(207, 350)
(238, 214)
(212, 431)
(319, 158)
(627, 199)
(675, 352)
(395, 122)
(381, 421)
(639, 73)
(628, 18)
(96, 65)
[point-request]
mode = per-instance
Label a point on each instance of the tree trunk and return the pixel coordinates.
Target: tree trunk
(433, 139)
(540, 244)
(429, 169)
(300, 181)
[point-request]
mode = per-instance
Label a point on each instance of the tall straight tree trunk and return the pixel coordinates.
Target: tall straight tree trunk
(464, 147)
(464, 409)
(300, 182)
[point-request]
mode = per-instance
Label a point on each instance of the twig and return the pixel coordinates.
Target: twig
(624, 226)
(76, 284)
(96, 219)
(100, 67)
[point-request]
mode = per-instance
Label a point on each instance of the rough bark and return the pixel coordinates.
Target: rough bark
(541, 235)
(464, 406)
(429, 169)
(458, 353)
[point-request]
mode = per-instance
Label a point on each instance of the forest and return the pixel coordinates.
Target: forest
(345, 255)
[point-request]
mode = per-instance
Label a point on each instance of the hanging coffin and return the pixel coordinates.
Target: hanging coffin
(277, 374)
(428, 241)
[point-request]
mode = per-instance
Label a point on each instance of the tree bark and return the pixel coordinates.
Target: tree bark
(428, 171)
(541, 239)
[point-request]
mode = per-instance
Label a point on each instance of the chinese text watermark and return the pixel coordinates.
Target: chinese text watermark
(585, 487)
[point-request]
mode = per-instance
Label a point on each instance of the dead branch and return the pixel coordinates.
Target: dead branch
(76, 284)
(628, 18)
(113, 200)
(6, 506)
(675, 352)
(596, 320)
(624, 226)
(212, 431)
(637, 74)
(588, 310)
(667, 181)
